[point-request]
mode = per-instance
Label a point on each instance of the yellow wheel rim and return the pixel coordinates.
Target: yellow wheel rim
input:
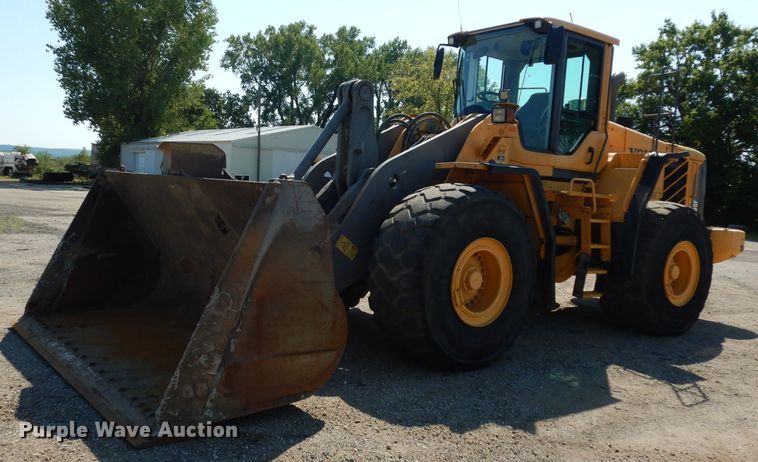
(481, 282)
(681, 273)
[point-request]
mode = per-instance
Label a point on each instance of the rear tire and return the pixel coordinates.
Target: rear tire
(428, 238)
(672, 273)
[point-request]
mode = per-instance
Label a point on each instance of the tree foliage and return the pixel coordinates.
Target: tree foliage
(296, 73)
(383, 60)
(188, 111)
(347, 56)
(82, 157)
(49, 163)
(230, 110)
(282, 68)
(414, 90)
(126, 66)
(711, 93)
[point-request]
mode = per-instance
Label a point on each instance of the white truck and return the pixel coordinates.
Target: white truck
(16, 162)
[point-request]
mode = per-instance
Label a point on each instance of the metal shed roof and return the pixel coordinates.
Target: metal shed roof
(220, 135)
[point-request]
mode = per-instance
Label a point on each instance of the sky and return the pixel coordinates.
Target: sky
(31, 100)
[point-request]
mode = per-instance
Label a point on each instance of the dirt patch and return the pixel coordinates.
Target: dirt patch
(572, 387)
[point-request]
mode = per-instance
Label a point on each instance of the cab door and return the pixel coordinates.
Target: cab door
(578, 129)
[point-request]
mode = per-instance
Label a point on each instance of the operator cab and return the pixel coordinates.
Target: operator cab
(552, 70)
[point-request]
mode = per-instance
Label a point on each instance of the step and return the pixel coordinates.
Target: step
(591, 294)
(600, 196)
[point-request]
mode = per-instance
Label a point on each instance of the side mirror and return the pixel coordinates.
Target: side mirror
(438, 62)
(556, 37)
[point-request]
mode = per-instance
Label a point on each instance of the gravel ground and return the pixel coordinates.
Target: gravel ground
(571, 388)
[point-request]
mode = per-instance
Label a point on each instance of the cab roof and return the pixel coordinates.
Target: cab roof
(552, 21)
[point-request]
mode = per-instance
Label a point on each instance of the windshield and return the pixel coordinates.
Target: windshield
(508, 59)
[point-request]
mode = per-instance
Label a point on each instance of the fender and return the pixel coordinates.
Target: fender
(530, 199)
(630, 230)
(353, 237)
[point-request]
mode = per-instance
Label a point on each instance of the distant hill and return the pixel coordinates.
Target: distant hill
(55, 152)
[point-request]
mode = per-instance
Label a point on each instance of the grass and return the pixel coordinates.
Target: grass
(48, 163)
(10, 224)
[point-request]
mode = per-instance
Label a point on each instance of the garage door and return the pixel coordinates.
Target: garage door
(139, 162)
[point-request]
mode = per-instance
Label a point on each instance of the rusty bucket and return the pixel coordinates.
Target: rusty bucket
(185, 300)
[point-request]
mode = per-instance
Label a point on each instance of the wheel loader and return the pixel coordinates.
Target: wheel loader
(195, 298)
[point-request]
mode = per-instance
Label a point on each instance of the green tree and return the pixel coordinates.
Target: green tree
(711, 92)
(23, 149)
(414, 90)
(126, 65)
(295, 73)
(383, 59)
(45, 163)
(229, 109)
(347, 56)
(280, 67)
(82, 157)
(188, 111)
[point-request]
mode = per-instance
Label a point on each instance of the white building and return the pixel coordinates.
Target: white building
(235, 149)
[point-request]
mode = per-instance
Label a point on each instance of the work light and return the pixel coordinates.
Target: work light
(504, 113)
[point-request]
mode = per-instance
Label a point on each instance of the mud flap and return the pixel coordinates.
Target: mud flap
(183, 300)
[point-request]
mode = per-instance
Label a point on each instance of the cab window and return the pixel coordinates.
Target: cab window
(534, 98)
(581, 93)
(490, 78)
(492, 61)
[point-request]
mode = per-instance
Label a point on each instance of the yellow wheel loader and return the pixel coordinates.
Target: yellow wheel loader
(195, 298)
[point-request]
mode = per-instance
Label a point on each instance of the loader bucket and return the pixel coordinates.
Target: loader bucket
(185, 300)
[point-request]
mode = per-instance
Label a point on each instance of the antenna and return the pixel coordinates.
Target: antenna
(571, 16)
(460, 18)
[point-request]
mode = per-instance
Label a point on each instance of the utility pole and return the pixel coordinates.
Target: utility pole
(258, 168)
(661, 113)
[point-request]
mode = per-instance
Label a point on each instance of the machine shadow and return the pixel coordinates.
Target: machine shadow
(51, 401)
(557, 367)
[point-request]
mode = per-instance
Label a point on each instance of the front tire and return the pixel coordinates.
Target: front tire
(452, 275)
(672, 273)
